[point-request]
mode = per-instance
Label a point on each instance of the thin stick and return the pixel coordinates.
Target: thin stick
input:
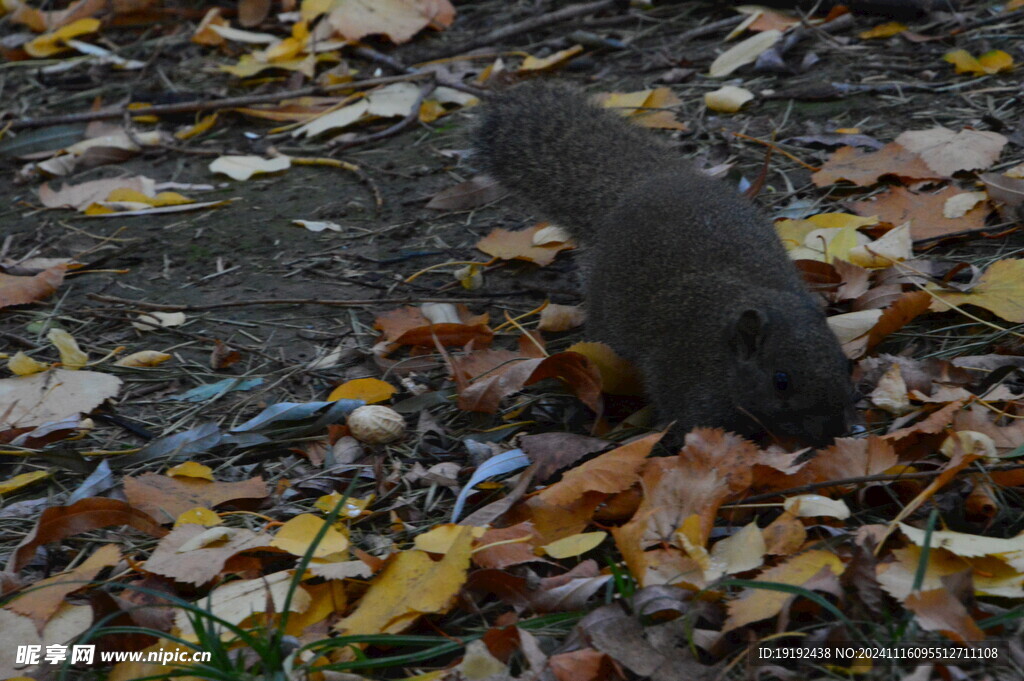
(212, 104)
(279, 301)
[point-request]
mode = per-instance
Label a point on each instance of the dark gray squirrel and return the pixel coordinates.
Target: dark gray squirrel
(684, 277)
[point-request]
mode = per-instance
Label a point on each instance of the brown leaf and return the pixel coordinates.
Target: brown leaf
(46, 595)
(904, 310)
(23, 290)
(409, 326)
(866, 168)
(925, 213)
(578, 372)
(585, 664)
(608, 473)
(499, 549)
(938, 610)
(554, 451)
(201, 564)
(60, 522)
(165, 497)
(473, 193)
(519, 245)
(252, 12)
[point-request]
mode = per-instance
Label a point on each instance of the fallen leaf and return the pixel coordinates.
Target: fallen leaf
(23, 480)
(47, 595)
(53, 395)
(754, 604)
(743, 53)
(867, 168)
(550, 62)
(244, 167)
(938, 610)
(71, 355)
(728, 99)
(165, 498)
(143, 358)
(556, 318)
(994, 61)
(369, 390)
(296, 536)
(399, 20)
(204, 562)
(574, 545)
(236, 601)
(411, 584)
(23, 290)
(78, 196)
(947, 152)
(886, 30)
(154, 320)
(59, 522)
(924, 212)
(53, 43)
(519, 245)
(1000, 290)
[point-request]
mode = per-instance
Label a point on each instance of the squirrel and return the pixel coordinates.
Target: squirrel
(684, 277)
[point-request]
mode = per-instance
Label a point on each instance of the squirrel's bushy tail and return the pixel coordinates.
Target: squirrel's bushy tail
(572, 159)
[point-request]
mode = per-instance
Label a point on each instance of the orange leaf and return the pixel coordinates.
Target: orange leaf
(938, 610)
(60, 522)
(165, 498)
(22, 290)
(924, 212)
(508, 245)
(866, 168)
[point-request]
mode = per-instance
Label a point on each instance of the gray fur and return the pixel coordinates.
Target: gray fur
(686, 278)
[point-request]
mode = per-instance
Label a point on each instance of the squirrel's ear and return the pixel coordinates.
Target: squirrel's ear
(748, 333)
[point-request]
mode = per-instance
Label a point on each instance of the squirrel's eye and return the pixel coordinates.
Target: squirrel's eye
(781, 379)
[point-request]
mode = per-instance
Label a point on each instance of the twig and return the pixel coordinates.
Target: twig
(279, 301)
(209, 105)
(570, 12)
(881, 477)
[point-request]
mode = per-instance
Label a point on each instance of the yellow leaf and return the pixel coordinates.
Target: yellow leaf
(23, 365)
(728, 99)
(71, 356)
(201, 126)
(412, 584)
(198, 516)
(441, 538)
(296, 535)
(191, 469)
(23, 480)
(841, 220)
(353, 507)
(551, 61)
(886, 30)
(990, 62)
(370, 390)
(618, 375)
(996, 61)
(574, 545)
(896, 245)
(757, 604)
(50, 44)
(97, 209)
(143, 358)
(1000, 290)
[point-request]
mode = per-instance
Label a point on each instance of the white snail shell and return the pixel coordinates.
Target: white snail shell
(375, 424)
